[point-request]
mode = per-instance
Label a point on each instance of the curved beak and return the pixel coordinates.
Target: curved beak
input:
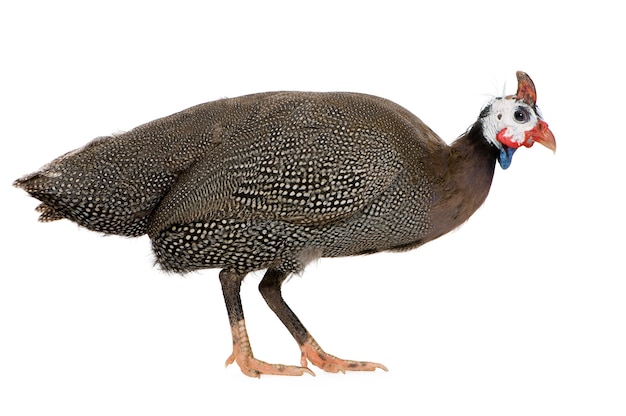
(542, 135)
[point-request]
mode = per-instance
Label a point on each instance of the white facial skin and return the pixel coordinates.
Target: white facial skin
(514, 116)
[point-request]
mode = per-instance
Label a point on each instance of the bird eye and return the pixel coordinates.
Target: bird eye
(521, 115)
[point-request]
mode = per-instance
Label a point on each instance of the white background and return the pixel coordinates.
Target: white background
(520, 312)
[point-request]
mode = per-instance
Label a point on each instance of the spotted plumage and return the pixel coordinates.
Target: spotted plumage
(275, 180)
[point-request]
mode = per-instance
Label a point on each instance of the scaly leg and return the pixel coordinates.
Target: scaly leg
(270, 288)
(242, 352)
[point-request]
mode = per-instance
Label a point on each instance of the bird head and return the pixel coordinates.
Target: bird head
(514, 121)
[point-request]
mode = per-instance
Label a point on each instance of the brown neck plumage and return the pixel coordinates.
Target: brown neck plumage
(466, 181)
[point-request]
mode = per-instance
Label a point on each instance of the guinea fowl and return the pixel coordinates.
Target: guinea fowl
(275, 180)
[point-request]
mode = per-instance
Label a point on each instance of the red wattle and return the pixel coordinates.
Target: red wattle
(507, 140)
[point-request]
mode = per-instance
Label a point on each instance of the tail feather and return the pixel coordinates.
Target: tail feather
(48, 213)
(37, 185)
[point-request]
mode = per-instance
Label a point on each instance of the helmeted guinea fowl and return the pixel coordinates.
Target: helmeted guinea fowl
(275, 180)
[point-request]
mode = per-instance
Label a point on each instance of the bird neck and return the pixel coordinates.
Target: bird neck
(466, 182)
(472, 164)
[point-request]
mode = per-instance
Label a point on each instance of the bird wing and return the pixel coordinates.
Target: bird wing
(304, 159)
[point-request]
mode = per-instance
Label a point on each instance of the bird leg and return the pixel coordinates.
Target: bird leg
(242, 351)
(270, 288)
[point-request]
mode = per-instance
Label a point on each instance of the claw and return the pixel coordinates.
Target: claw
(250, 366)
(312, 352)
